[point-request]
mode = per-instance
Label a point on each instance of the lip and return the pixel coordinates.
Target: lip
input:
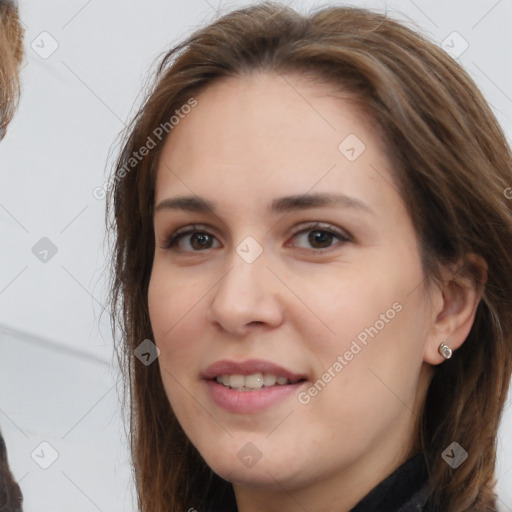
(248, 367)
(249, 401)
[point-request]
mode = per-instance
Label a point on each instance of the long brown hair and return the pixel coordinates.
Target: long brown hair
(11, 51)
(453, 166)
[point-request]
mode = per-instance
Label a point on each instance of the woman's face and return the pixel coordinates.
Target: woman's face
(325, 293)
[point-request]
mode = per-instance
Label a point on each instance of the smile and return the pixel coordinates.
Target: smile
(252, 382)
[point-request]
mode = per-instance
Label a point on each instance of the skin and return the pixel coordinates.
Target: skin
(248, 141)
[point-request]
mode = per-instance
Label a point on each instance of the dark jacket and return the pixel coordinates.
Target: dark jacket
(405, 490)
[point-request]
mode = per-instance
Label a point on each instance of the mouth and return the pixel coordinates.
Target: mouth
(251, 374)
(254, 381)
(250, 386)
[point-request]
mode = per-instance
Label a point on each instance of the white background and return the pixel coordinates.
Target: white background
(57, 377)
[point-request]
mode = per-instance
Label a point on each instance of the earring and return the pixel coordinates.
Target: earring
(445, 350)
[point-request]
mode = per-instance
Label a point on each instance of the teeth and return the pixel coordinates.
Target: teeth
(236, 381)
(269, 380)
(250, 382)
(254, 381)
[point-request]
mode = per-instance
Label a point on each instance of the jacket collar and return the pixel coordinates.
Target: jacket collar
(405, 490)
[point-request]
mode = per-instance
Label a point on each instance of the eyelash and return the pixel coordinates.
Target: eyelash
(171, 241)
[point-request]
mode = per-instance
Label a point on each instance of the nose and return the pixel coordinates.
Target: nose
(246, 297)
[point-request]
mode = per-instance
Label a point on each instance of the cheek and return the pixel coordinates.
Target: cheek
(168, 304)
(176, 304)
(159, 304)
(348, 303)
(172, 307)
(362, 394)
(171, 298)
(376, 323)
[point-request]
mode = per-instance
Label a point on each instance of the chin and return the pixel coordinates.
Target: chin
(257, 476)
(248, 466)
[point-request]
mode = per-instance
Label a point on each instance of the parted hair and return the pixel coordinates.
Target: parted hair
(453, 166)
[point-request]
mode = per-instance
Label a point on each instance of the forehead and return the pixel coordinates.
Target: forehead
(264, 132)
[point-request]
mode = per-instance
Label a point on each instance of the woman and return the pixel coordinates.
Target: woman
(311, 225)
(11, 55)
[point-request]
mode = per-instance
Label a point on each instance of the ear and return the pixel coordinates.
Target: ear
(454, 303)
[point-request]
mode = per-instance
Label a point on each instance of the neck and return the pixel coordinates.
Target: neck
(330, 491)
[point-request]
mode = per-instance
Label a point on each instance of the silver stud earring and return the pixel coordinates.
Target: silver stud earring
(445, 350)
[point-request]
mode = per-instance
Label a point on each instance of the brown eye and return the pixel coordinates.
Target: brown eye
(201, 240)
(198, 240)
(320, 237)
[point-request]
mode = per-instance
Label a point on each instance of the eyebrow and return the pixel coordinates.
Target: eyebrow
(279, 205)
